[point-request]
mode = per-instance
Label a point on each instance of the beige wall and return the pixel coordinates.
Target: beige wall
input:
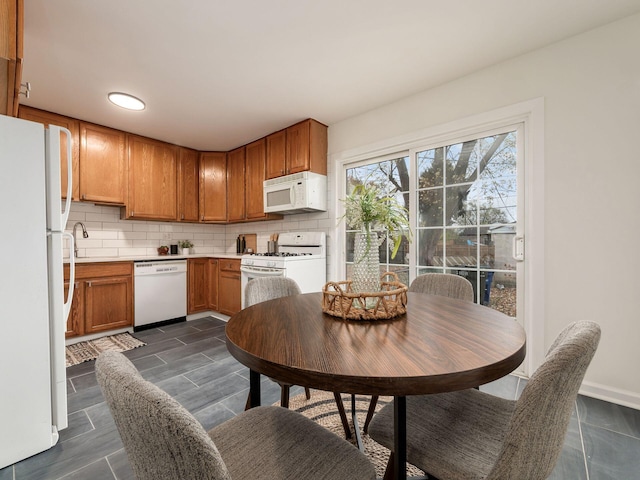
(591, 89)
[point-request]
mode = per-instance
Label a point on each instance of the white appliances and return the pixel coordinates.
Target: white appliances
(33, 404)
(296, 193)
(160, 292)
(301, 257)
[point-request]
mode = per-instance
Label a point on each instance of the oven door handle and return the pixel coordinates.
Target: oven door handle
(264, 273)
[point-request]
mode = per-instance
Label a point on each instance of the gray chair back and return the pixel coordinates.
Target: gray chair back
(536, 431)
(161, 438)
(267, 288)
(444, 284)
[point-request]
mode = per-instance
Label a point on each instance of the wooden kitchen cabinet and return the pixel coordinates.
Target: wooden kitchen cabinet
(198, 285)
(202, 290)
(188, 185)
(276, 154)
(103, 165)
(153, 168)
(213, 187)
(103, 297)
(256, 174)
(235, 185)
(229, 293)
(213, 283)
(71, 124)
(11, 54)
(75, 322)
(305, 149)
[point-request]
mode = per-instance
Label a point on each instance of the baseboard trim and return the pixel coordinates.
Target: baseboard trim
(610, 394)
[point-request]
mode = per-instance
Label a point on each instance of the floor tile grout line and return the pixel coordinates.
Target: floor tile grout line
(84, 466)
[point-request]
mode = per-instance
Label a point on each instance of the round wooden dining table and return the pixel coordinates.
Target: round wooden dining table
(439, 345)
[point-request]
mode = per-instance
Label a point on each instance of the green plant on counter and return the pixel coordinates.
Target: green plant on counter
(185, 244)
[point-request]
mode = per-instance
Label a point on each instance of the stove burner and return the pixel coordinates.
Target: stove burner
(280, 254)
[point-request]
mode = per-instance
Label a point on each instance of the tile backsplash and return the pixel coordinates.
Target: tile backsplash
(109, 236)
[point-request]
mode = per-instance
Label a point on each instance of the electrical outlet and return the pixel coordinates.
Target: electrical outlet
(166, 236)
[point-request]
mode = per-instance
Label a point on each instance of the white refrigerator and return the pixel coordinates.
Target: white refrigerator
(33, 312)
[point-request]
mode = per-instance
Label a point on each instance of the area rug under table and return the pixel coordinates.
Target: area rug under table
(90, 349)
(321, 408)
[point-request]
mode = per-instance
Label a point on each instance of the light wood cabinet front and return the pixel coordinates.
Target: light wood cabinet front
(307, 147)
(71, 124)
(276, 154)
(235, 185)
(11, 54)
(299, 148)
(103, 297)
(197, 289)
(188, 185)
(75, 322)
(107, 303)
(213, 283)
(229, 296)
(213, 187)
(103, 165)
(255, 162)
(152, 179)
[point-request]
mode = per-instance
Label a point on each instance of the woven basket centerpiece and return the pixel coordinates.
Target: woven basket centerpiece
(339, 300)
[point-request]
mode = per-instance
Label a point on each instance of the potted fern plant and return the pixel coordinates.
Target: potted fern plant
(373, 212)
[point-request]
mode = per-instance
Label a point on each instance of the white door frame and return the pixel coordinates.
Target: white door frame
(531, 114)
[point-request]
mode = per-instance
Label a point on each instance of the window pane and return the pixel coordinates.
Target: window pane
(461, 163)
(430, 247)
(459, 210)
(430, 208)
(430, 167)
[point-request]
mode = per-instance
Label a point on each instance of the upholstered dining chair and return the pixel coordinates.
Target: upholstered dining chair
(471, 434)
(163, 440)
(268, 288)
(443, 284)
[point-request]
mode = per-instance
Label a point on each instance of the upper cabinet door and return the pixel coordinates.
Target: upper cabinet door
(307, 147)
(71, 124)
(255, 163)
(188, 185)
(213, 187)
(152, 179)
(235, 185)
(299, 148)
(103, 165)
(276, 154)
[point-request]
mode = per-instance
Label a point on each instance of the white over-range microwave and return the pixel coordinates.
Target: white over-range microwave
(296, 193)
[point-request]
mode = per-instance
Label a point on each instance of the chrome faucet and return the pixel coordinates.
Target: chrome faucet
(84, 235)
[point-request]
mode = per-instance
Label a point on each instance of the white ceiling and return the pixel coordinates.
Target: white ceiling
(217, 74)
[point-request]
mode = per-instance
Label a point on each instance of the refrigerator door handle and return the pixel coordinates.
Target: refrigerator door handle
(56, 216)
(67, 203)
(72, 276)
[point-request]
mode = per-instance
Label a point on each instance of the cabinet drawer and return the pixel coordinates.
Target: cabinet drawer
(105, 269)
(229, 265)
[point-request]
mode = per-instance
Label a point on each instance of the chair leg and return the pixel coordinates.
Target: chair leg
(248, 404)
(307, 392)
(343, 415)
(370, 412)
(389, 473)
(284, 395)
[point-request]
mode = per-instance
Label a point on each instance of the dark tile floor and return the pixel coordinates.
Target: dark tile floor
(190, 361)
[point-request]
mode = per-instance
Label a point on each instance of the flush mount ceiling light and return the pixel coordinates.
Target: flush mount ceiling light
(125, 100)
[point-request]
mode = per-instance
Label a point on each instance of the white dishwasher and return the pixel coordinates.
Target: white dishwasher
(160, 292)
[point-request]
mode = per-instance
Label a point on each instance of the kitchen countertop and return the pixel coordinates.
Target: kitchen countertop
(153, 257)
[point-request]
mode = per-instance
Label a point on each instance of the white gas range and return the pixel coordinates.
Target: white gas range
(301, 256)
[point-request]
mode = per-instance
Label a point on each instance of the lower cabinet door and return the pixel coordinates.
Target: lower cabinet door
(229, 301)
(75, 322)
(108, 303)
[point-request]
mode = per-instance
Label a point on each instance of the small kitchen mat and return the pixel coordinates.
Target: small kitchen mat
(90, 349)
